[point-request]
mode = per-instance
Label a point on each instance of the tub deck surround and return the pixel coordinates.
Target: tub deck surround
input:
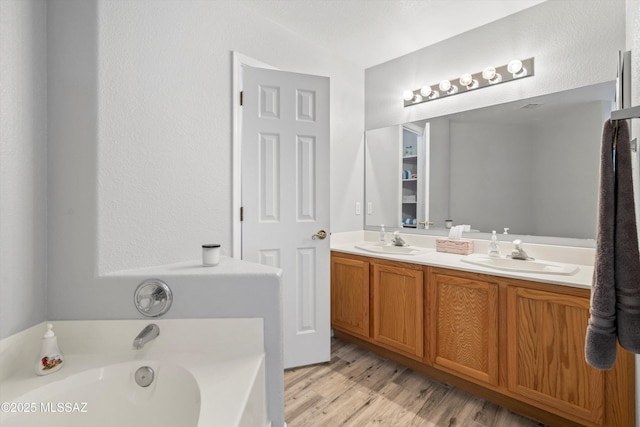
(224, 356)
(227, 267)
(582, 257)
(232, 289)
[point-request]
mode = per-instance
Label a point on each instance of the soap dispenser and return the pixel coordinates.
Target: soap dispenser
(382, 234)
(50, 358)
(494, 249)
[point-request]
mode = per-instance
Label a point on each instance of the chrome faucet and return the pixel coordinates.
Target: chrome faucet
(518, 253)
(149, 332)
(397, 240)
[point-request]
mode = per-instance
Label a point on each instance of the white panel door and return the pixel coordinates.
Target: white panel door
(285, 199)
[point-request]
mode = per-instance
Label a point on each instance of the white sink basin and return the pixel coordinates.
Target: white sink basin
(539, 267)
(393, 250)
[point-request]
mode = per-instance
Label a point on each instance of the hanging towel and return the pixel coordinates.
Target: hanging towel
(615, 292)
(627, 256)
(600, 341)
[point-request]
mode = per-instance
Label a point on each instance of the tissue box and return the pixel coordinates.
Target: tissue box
(460, 247)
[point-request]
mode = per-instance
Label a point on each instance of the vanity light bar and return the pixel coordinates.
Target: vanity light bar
(490, 76)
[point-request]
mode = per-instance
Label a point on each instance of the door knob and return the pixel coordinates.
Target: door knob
(319, 235)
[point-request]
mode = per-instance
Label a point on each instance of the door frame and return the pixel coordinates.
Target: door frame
(238, 61)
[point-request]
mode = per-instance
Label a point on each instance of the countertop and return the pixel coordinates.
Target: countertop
(347, 242)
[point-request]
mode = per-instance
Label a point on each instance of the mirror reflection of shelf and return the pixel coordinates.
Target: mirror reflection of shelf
(412, 149)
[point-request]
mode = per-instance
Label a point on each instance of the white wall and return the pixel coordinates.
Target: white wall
(23, 154)
(573, 46)
(382, 164)
(145, 166)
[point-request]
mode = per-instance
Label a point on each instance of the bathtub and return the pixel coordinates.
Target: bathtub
(208, 372)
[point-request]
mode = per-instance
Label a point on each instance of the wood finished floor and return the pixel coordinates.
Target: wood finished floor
(360, 388)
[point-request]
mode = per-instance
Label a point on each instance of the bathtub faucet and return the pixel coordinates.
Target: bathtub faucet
(149, 332)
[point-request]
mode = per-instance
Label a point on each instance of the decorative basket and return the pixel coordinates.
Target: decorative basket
(460, 247)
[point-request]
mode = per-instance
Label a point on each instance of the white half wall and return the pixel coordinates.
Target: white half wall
(23, 167)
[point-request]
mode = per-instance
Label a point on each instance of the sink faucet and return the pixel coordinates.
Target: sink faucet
(149, 332)
(397, 240)
(518, 253)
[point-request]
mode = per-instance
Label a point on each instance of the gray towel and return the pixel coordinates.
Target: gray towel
(615, 293)
(627, 256)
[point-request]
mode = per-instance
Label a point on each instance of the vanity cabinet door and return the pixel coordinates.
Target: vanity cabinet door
(350, 295)
(464, 319)
(545, 351)
(397, 305)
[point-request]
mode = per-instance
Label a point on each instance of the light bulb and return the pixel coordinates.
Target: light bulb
(417, 98)
(407, 95)
(468, 81)
(515, 67)
(491, 75)
(445, 85)
(425, 91)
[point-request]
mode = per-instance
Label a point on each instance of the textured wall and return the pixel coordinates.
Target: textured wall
(141, 173)
(573, 46)
(22, 164)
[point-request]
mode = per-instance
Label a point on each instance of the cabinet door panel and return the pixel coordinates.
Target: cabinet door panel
(398, 309)
(546, 352)
(350, 295)
(465, 318)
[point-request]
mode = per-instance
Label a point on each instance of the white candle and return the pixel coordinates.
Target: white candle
(211, 254)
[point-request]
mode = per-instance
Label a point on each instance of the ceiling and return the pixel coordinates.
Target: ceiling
(370, 32)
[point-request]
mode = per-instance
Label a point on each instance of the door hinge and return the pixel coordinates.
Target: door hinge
(241, 213)
(241, 96)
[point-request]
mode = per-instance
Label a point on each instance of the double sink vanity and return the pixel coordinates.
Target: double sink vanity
(509, 331)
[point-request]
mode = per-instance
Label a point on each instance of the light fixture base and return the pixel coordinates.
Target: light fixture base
(502, 75)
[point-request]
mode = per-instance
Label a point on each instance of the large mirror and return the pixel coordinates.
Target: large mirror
(530, 166)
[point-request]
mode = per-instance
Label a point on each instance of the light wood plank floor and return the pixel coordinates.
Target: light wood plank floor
(360, 388)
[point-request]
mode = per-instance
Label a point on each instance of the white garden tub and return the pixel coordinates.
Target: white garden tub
(207, 372)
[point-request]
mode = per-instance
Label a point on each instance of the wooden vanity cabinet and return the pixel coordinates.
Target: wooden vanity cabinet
(397, 308)
(464, 325)
(516, 342)
(350, 295)
(379, 301)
